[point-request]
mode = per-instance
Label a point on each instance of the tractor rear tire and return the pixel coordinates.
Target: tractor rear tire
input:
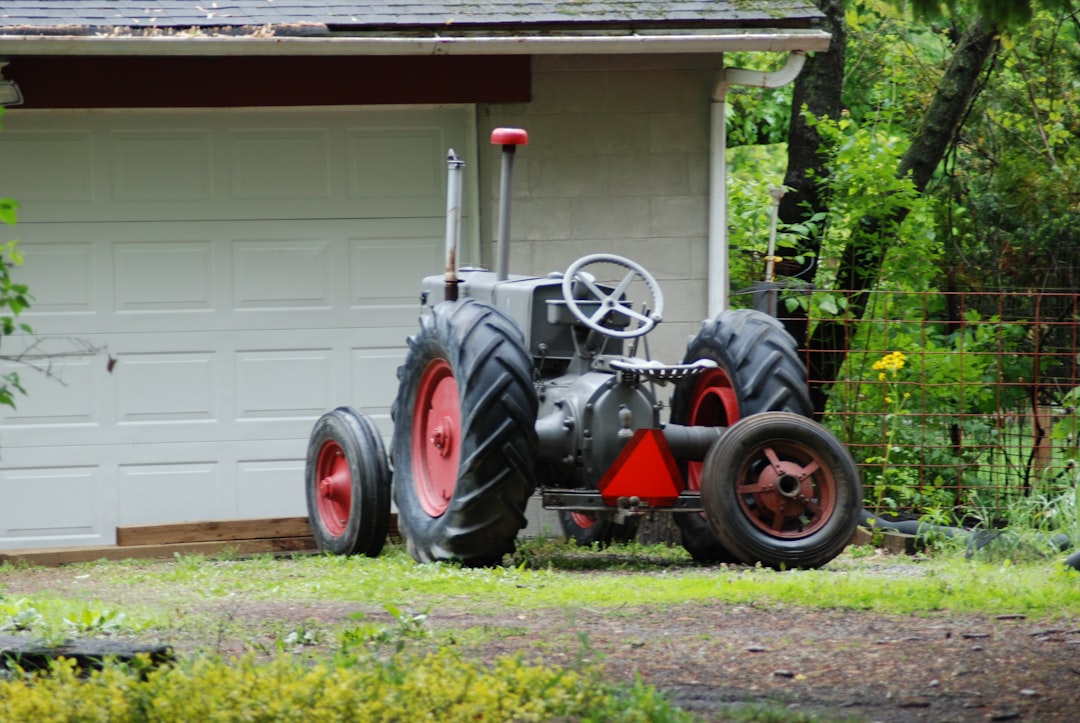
(464, 447)
(591, 528)
(758, 370)
(781, 490)
(347, 482)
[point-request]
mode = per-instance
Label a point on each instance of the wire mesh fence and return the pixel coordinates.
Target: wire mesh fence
(957, 402)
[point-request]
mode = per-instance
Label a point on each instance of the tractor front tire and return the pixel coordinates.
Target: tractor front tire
(758, 370)
(464, 446)
(347, 482)
(781, 490)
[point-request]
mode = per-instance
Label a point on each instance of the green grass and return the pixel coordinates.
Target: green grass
(555, 576)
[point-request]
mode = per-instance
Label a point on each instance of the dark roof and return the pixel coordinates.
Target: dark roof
(310, 17)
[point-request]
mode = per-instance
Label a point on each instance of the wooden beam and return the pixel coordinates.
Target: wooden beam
(52, 556)
(273, 535)
(212, 531)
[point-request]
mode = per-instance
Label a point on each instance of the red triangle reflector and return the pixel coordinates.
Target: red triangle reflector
(645, 469)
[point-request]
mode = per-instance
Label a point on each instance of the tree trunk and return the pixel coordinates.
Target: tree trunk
(818, 87)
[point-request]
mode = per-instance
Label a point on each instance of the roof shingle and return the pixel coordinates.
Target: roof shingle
(25, 16)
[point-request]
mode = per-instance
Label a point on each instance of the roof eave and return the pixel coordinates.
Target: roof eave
(779, 40)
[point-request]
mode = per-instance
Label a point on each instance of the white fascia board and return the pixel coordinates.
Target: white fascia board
(197, 44)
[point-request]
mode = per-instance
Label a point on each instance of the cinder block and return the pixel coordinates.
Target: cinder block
(685, 300)
(565, 176)
(654, 174)
(678, 216)
(521, 257)
(541, 219)
(686, 132)
(642, 91)
(707, 62)
(697, 173)
(569, 91)
(664, 258)
(622, 218)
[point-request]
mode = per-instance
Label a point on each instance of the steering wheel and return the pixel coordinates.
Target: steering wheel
(612, 303)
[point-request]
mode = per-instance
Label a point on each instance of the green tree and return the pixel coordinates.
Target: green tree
(1013, 185)
(973, 33)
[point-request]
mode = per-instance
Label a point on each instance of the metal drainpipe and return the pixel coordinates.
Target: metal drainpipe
(719, 268)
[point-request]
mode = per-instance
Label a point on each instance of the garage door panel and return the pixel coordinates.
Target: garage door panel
(152, 493)
(280, 165)
(230, 165)
(283, 383)
(296, 273)
(164, 276)
(55, 502)
(374, 377)
(396, 162)
(65, 274)
(268, 488)
(204, 387)
(139, 157)
(44, 168)
(243, 271)
(384, 270)
(68, 395)
(217, 275)
(158, 387)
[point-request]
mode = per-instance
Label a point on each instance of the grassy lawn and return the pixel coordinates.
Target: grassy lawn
(549, 574)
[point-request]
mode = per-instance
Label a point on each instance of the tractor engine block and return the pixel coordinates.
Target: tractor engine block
(584, 422)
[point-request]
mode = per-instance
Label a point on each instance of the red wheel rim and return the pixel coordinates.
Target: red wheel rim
(584, 520)
(786, 489)
(712, 404)
(334, 493)
(436, 442)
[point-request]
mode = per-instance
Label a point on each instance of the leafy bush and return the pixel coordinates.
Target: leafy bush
(440, 686)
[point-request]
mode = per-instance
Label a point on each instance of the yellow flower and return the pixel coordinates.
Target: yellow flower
(893, 362)
(888, 400)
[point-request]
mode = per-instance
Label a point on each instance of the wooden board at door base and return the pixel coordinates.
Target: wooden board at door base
(274, 536)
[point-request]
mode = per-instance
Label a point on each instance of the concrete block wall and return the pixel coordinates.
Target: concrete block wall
(617, 162)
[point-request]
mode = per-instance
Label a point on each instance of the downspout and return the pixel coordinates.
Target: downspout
(719, 268)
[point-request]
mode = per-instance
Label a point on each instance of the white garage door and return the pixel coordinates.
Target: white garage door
(246, 270)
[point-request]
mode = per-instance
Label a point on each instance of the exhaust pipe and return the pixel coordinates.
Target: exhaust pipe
(454, 164)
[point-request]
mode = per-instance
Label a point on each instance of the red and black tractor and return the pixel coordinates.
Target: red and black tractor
(515, 384)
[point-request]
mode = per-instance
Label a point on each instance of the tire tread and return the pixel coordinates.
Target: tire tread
(498, 405)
